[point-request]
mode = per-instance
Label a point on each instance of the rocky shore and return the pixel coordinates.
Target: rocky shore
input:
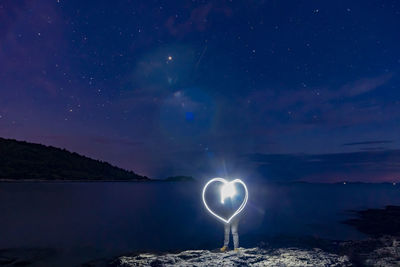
(244, 257)
(383, 251)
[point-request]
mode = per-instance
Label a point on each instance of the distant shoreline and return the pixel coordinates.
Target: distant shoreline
(85, 181)
(149, 180)
(67, 181)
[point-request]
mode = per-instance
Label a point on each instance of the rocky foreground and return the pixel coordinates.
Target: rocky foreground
(245, 257)
(383, 251)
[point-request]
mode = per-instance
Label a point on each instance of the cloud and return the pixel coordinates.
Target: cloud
(365, 85)
(314, 97)
(198, 20)
(365, 166)
(376, 142)
(306, 107)
(372, 148)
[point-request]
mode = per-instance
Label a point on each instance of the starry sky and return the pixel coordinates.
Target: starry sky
(273, 90)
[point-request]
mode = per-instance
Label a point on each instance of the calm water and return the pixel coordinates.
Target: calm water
(84, 221)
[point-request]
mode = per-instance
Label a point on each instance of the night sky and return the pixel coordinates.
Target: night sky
(275, 90)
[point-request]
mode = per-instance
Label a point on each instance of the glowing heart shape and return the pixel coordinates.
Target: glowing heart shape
(225, 182)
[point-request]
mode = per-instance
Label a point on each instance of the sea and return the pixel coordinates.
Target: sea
(84, 221)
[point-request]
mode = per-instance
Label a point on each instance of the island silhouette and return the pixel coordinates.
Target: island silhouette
(24, 161)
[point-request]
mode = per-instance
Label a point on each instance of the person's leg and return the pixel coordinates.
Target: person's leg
(235, 234)
(227, 230)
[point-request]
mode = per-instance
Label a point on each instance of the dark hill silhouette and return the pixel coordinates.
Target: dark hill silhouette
(21, 160)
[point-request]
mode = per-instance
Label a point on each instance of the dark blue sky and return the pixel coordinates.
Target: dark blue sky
(284, 90)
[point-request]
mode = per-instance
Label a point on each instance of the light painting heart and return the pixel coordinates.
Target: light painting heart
(226, 192)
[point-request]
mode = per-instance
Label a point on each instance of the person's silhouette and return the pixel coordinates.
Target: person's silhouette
(231, 200)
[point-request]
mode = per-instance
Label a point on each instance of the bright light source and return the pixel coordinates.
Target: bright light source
(227, 190)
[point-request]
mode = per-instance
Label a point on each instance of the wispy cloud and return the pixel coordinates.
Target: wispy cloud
(365, 85)
(344, 105)
(198, 19)
(375, 142)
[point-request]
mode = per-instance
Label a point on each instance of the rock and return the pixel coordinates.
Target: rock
(25, 256)
(384, 251)
(383, 246)
(245, 257)
(377, 222)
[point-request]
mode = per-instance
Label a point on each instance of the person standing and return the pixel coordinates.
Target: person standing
(231, 199)
(228, 227)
